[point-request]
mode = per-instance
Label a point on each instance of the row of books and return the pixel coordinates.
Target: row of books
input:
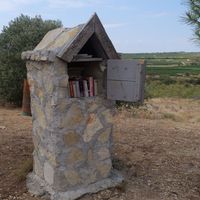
(83, 87)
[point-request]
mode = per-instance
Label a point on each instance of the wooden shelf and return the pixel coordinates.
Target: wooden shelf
(87, 60)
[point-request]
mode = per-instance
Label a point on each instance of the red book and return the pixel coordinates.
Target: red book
(71, 89)
(78, 93)
(91, 86)
(95, 88)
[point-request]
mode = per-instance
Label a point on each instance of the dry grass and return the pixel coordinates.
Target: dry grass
(156, 148)
(23, 170)
(178, 110)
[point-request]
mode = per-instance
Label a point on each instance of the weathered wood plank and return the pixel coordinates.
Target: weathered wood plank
(87, 60)
(70, 51)
(104, 39)
(122, 90)
(125, 80)
(123, 70)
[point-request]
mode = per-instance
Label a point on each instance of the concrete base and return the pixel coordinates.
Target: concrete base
(39, 187)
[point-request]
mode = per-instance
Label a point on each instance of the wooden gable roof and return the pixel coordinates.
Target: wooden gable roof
(92, 28)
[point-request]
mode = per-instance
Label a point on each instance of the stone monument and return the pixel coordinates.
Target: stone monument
(72, 136)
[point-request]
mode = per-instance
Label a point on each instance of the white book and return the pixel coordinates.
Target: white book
(91, 86)
(95, 88)
(85, 87)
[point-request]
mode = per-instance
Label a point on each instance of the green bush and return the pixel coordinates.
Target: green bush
(23, 33)
(158, 89)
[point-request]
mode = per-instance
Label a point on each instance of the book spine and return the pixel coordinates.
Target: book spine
(71, 89)
(85, 87)
(77, 89)
(81, 88)
(91, 86)
(95, 88)
(74, 88)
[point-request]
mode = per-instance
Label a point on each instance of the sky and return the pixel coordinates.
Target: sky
(134, 26)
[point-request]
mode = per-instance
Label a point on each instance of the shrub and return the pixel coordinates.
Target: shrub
(23, 33)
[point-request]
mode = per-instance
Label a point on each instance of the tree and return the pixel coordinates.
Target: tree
(23, 33)
(192, 17)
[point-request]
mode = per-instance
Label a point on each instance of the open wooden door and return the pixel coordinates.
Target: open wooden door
(125, 80)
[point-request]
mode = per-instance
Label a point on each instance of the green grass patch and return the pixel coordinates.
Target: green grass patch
(167, 59)
(173, 71)
(155, 89)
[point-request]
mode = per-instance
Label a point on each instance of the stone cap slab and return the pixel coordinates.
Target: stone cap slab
(51, 44)
(41, 55)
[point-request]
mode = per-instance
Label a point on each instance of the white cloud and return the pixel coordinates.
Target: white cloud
(11, 5)
(121, 7)
(160, 14)
(157, 15)
(114, 25)
(73, 3)
(6, 5)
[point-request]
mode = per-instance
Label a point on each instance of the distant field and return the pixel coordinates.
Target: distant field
(171, 74)
(170, 55)
(173, 71)
(166, 59)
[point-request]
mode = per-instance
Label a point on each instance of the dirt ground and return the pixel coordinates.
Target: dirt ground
(156, 147)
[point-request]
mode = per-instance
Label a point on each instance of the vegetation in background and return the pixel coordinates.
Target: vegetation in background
(171, 74)
(192, 17)
(171, 59)
(23, 33)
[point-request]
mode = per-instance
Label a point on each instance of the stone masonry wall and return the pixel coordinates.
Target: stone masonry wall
(72, 136)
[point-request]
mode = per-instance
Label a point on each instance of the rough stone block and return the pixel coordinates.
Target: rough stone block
(108, 116)
(93, 125)
(72, 177)
(39, 115)
(32, 57)
(92, 107)
(60, 68)
(48, 84)
(48, 173)
(73, 117)
(38, 92)
(75, 156)
(104, 168)
(71, 138)
(63, 105)
(49, 156)
(88, 175)
(38, 167)
(49, 113)
(61, 93)
(63, 82)
(43, 58)
(36, 140)
(103, 153)
(105, 136)
(90, 156)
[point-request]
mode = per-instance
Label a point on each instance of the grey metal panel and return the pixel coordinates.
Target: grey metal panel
(123, 70)
(125, 80)
(122, 90)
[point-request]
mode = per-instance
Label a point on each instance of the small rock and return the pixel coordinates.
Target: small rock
(2, 127)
